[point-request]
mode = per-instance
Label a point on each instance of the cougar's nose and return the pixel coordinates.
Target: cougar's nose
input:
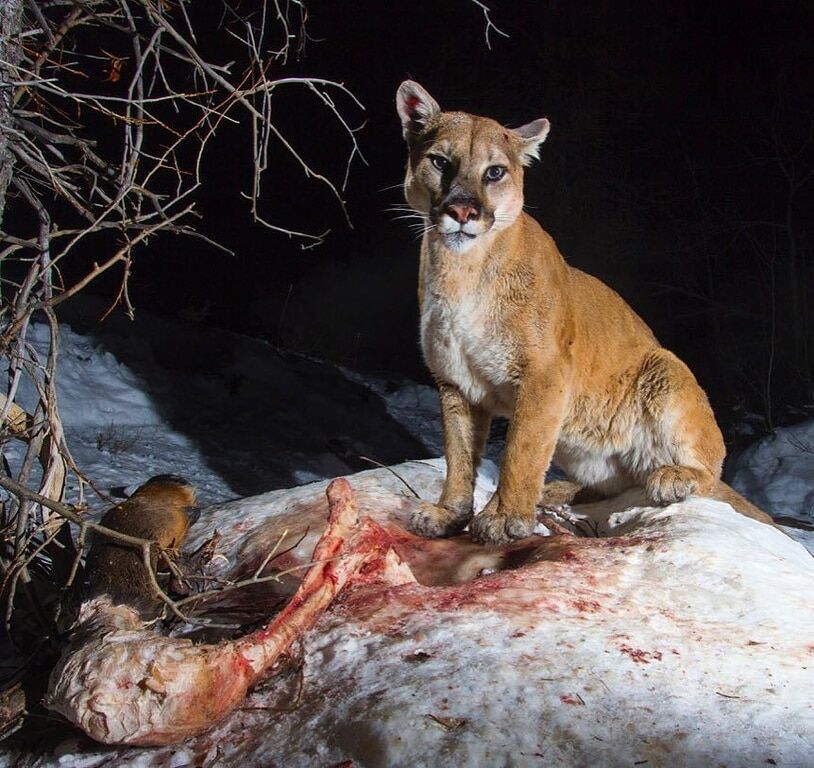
(463, 211)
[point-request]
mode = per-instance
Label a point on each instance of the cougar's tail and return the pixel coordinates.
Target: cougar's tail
(722, 492)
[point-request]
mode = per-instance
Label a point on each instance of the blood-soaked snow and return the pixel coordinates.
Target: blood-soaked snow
(684, 636)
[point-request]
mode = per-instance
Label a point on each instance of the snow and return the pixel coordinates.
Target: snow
(114, 429)
(230, 413)
(94, 389)
(699, 652)
(777, 474)
(683, 637)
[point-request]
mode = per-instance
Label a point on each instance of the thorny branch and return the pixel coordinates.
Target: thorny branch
(107, 108)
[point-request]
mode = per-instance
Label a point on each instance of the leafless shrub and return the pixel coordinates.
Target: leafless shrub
(107, 108)
(118, 438)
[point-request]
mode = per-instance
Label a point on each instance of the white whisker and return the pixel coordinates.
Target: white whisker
(423, 231)
(393, 186)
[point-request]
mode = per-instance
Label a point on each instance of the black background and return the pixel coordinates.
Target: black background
(675, 171)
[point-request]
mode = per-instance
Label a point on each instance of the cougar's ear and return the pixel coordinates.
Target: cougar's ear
(415, 107)
(531, 136)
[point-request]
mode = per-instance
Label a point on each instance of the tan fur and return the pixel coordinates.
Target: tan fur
(158, 511)
(508, 328)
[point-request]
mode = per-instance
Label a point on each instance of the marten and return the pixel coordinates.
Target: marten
(161, 510)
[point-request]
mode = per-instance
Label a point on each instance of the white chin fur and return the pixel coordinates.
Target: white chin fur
(456, 237)
(458, 242)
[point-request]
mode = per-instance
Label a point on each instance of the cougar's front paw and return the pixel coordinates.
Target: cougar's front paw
(434, 521)
(496, 526)
(671, 483)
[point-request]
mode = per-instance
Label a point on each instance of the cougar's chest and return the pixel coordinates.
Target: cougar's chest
(462, 345)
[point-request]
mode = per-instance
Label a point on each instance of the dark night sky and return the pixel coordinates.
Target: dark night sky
(665, 118)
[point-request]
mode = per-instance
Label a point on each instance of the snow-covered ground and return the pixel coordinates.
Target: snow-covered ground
(230, 413)
(681, 638)
(114, 428)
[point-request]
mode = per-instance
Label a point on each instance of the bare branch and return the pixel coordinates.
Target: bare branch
(158, 101)
(490, 25)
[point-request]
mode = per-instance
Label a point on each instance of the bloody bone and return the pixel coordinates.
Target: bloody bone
(122, 684)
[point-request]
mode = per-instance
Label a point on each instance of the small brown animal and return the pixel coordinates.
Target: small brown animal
(161, 510)
(509, 329)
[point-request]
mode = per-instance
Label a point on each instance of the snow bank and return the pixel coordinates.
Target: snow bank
(114, 428)
(93, 388)
(683, 638)
(777, 473)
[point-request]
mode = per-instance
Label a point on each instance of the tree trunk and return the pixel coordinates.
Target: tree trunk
(11, 19)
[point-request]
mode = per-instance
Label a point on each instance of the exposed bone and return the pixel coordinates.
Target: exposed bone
(123, 684)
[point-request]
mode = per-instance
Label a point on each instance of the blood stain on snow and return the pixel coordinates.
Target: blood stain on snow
(639, 656)
(575, 699)
(586, 606)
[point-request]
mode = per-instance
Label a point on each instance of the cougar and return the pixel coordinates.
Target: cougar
(509, 329)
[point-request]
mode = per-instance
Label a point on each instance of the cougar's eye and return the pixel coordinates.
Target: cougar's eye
(494, 173)
(441, 163)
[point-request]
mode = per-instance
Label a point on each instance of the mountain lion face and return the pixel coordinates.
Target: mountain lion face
(464, 173)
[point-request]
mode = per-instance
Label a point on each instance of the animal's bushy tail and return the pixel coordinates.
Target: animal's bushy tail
(722, 492)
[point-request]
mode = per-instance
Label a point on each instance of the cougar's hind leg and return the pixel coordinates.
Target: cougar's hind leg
(687, 449)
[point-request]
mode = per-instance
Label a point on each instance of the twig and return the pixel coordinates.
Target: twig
(270, 555)
(254, 580)
(392, 472)
(163, 102)
(489, 23)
